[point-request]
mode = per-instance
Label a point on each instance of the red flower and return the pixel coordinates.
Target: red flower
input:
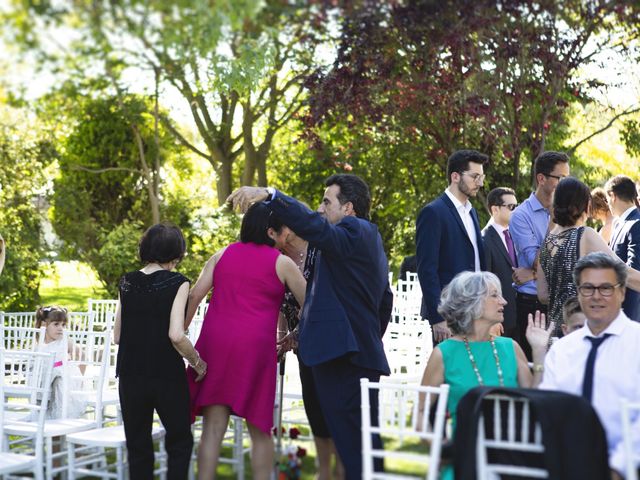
(301, 452)
(294, 433)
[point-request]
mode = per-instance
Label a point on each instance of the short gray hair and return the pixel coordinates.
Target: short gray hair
(462, 301)
(601, 261)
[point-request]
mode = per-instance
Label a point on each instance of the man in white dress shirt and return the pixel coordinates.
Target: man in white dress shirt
(448, 238)
(601, 361)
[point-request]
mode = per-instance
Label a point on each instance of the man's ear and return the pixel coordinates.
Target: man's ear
(349, 210)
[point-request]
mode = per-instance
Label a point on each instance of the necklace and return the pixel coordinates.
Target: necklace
(475, 366)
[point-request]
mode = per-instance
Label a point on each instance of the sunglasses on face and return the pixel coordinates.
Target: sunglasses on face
(510, 206)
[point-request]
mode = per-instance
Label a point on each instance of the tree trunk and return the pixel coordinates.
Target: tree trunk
(224, 183)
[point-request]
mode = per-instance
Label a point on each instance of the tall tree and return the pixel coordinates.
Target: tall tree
(102, 181)
(415, 80)
(237, 66)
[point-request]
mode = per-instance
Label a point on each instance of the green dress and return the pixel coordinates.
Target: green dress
(459, 374)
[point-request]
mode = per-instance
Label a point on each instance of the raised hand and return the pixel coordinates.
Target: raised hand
(244, 197)
(537, 335)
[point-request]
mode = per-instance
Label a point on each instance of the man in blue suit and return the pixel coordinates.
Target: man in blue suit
(348, 303)
(448, 239)
(625, 239)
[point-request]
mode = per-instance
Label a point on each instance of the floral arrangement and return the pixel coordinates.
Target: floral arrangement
(290, 463)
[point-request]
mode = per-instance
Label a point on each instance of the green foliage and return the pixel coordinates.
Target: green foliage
(22, 189)
(118, 254)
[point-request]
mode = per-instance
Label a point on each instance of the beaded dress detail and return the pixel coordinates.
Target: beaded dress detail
(558, 257)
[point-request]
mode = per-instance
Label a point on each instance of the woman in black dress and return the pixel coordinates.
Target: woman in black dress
(149, 328)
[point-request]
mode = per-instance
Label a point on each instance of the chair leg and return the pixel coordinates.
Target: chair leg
(120, 464)
(163, 459)
(49, 459)
(71, 460)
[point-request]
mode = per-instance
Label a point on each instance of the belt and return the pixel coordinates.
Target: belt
(526, 296)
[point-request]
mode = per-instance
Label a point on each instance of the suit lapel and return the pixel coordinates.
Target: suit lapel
(456, 215)
(497, 241)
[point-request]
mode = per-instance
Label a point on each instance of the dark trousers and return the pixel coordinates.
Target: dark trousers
(139, 396)
(525, 305)
(338, 385)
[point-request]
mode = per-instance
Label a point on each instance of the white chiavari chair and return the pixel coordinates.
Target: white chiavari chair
(631, 438)
(18, 319)
(101, 310)
(399, 405)
(24, 396)
(21, 338)
(512, 427)
(80, 321)
(76, 385)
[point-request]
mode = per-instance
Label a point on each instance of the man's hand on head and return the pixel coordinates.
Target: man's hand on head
(244, 197)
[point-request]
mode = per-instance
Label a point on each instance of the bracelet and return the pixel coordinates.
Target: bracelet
(197, 362)
(538, 368)
(282, 331)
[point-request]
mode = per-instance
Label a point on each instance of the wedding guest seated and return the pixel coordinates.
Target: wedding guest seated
(601, 362)
(55, 320)
(472, 304)
(573, 316)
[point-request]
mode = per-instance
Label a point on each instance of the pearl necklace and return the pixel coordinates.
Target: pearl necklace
(475, 366)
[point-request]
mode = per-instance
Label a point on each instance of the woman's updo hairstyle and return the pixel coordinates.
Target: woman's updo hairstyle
(570, 200)
(50, 314)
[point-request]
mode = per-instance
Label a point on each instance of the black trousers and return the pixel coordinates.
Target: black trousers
(139, 396)
(338, 386)
(525, 305)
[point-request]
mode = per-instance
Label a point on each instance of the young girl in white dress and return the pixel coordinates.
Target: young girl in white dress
(55, 320)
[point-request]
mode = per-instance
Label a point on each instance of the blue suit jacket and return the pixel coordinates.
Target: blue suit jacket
(443, 250)
(348, 302)
(626, 244)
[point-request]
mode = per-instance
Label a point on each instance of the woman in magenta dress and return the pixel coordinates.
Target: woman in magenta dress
(238, 339)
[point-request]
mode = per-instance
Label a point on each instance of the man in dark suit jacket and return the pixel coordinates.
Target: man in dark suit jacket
(348, 303)
(500, 252)
(625, 239)
(448, 239)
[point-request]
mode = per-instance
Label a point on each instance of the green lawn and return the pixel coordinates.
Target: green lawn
(70, 285)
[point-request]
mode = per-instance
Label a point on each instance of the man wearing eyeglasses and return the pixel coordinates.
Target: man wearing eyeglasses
(528, 226)
(448, 239)
(499, 250)
(625, 238)
(600, 361)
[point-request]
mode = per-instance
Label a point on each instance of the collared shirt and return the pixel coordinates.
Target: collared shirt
(500, 229)
(616, 376)
(528, 227)
(464, 210)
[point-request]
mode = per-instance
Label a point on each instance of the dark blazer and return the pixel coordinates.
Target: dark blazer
(498, 262)
(626, 244)
(443, 250)
(348, 303)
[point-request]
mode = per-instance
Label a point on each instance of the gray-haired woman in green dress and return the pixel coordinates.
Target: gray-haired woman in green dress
(471, 305)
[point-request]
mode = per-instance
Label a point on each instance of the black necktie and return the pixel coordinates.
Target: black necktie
(587, 382)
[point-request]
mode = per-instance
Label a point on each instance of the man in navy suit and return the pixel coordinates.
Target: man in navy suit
(500, 251)
(348, 303)
(625, 239)
(448, 239)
